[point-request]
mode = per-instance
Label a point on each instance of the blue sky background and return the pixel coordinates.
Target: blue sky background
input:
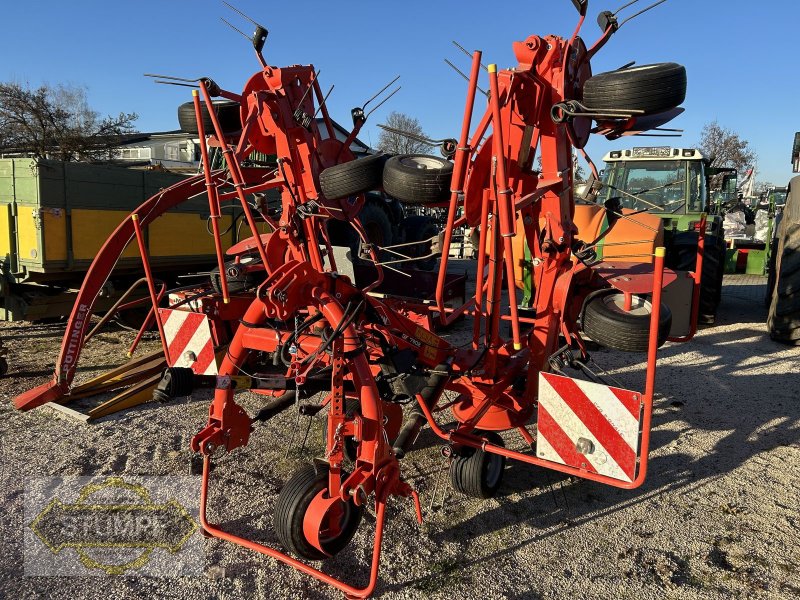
(741, 56)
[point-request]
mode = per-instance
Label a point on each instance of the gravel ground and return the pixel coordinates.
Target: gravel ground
(717, 517)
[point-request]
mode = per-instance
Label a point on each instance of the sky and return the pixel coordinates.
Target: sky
(741, 56)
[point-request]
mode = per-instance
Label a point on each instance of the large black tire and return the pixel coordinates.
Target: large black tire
(478, 474)
(227, 113)
(650, 88)
(418, 178)
(682, 256)
(352, 178)
(239, 278)
(290, 510)
(783, 320)
(605, 321)
(415, 229)
(377, 224)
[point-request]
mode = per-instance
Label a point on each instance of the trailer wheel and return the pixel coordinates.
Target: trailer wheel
(682, 256)
(650, 88)
(227, 113)
(480, 473)
(239, 278)
(783, 320)
(608, 324)
(417, 228)
(352, 178)
(418, 178)
(292, 504)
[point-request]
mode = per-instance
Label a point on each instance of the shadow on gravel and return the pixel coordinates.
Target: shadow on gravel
(753, 413)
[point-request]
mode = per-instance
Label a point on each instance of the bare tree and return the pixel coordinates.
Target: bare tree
(57, 122)
(725, 148)
(395, 143)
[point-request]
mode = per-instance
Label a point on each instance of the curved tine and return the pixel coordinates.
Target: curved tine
(383, 89)
(170, 77)
(240, 13)
(382, 102)
(467, 52)
(236, 29)
(644, 10)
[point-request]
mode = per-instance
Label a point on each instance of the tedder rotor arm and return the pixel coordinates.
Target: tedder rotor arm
(97, 275)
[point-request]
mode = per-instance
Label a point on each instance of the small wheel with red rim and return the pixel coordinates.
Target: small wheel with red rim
(303, 504)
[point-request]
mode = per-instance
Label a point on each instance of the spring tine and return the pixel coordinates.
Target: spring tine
(324, 99)
(383, 89)
(644, 10)
(236, 29)
(465, 51)
(240, 13)
(464, 75)
(382, 102)
(624, 6)
(308, 89)
(189, 85)
(172, 78)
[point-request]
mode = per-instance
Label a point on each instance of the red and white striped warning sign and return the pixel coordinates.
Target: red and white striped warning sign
(189, 340)
(588, 425)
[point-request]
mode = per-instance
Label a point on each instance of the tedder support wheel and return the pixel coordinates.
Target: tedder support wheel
(650, 88)
(682, 256)
(783, 320)
(608, 324)
(227, 113)
(417, 178)
(352, 178)
(294, 501)
(479, 473)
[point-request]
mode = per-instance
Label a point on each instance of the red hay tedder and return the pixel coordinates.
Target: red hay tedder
(303, 334)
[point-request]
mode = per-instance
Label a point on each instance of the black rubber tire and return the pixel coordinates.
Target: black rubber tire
(650, 88)
(479, 474)
(227, 113)
(682, 256)
(352, 178)
(377, 224)
(414, 229)
(783, 319)
(239, 279)
(290, 509)
(418, 178)
(610, 326)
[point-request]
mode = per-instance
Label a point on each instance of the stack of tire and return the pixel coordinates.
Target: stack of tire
(783, 320)
(412, 179)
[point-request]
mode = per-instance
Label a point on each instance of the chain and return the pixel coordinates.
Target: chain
(337, 441)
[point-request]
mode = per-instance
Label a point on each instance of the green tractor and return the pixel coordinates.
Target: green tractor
(673, 184)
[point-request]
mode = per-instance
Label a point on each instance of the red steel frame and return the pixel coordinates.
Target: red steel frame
(493, 181)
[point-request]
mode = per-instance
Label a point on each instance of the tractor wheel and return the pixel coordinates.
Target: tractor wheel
(239, 278)
(650, 88)
(377, 225)
(682, 256)
(608, 324)
(291, 506)
(227, 113)
(352, 178)
(418, 178)
(783, 320)
(415, 229)
(480, 473)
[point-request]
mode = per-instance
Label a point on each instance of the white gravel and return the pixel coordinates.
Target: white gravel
(717, 517)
